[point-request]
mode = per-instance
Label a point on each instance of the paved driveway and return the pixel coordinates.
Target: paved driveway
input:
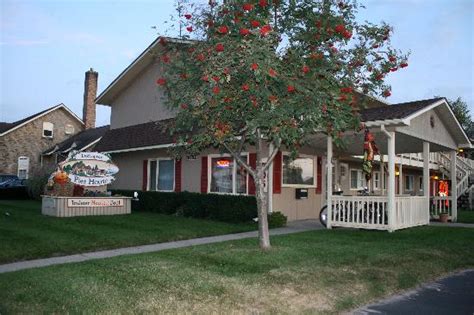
(448, 296)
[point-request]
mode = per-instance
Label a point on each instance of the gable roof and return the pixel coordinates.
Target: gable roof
(403, 113)
(9, 127)
(137, 137)
(136, 67)
(396, 111)
(79, 141)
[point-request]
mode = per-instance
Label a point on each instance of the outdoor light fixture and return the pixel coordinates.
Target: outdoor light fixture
(397, 173)
(436, 177)
(461, 150)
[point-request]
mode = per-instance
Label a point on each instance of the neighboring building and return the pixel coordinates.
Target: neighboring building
(83, 141)
(138, 141)
(23, 141)
(32, 145)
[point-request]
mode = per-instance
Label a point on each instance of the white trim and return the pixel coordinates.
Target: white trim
(234, 173)
(45, 113)
(90, 144)
(359, 173)
(377, 187)
(315, 171)
(376, 123)
(159, 146)
(405, 186)
(158, 159)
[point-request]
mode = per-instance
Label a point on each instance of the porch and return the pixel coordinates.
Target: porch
(424, 130)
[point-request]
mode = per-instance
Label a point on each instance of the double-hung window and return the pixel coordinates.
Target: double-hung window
(23, 167)
(226, 175)
(409, 182)
(357, 180)
(299, 172)
(376, 179)
(161, 174)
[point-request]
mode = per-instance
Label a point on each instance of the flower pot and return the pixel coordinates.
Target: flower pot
(443, 217)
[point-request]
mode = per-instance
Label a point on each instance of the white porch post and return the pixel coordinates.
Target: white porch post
(400, 176)
(454, 185)
(426, 178)
(270, 184)
(391, 181)
(329, 180)
(382, 176)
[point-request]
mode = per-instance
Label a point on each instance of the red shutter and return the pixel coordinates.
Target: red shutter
(277, 174)
(204, 174)
(253, 164)
(145, 175)
(177, 175)
(319, 178)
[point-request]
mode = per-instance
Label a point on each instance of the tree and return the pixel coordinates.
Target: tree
(271, 74)
(462, 113)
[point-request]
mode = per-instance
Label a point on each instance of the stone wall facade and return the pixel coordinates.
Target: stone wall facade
(28, 141)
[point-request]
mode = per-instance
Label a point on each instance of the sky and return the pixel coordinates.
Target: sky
(46, 46)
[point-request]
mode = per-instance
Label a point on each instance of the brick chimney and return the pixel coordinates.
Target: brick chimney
(90, 93)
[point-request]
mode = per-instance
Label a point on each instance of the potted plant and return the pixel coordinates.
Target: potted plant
(443, 217)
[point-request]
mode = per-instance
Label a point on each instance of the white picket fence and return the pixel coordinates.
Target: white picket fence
(371, 212)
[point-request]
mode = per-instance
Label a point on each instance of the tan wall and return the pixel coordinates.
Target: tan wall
(140, 102)
(131, 172)
(421, 127)
(345, 183)
(28, 141)
(297, 209)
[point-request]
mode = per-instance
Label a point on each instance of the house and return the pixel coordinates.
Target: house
(23, 141)
(138, 142)
(35, 144)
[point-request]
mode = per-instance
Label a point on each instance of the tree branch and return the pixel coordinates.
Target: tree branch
(239, 160)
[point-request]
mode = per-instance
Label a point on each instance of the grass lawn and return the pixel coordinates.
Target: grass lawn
(327, 271)
(26, 234)
(465, 216)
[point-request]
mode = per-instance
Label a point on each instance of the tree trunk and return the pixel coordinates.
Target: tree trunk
(262, 208)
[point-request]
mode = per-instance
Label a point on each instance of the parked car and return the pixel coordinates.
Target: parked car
(11, 187)
(7, 177)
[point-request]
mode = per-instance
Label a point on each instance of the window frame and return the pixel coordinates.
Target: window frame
(18, 169)
(412, 182)
(315, 171)
(376, 182)
(234, 173)
(158, 159)
(66, 129)
(44, 128)
(359, 173)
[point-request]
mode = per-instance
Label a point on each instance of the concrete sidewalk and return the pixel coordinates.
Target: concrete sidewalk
(293, 227)
(453, 294)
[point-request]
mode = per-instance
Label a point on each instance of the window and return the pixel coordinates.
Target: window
(420, 183)
(48, 129)
(343, 168)
(23, 167)
(69, 129)
(376, 179)
(357, 180)
(409, 182)
(298, 172)
(227, 176)
(161, 175)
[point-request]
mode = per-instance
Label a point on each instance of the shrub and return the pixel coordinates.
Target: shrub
(226, 208)
(35, 185)
(277, 219)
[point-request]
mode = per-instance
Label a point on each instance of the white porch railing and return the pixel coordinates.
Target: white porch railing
(368, 212)
(411, 211)
(371, 212)
(441, 204)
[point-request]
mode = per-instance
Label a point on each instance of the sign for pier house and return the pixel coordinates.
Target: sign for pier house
(89, 168)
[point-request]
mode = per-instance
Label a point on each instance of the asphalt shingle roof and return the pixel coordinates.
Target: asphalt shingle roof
(81, 139)
(137, 136)
(156, 133)
(4, 126)
(395, 111)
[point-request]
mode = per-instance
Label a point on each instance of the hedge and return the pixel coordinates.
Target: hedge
(226, 208)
